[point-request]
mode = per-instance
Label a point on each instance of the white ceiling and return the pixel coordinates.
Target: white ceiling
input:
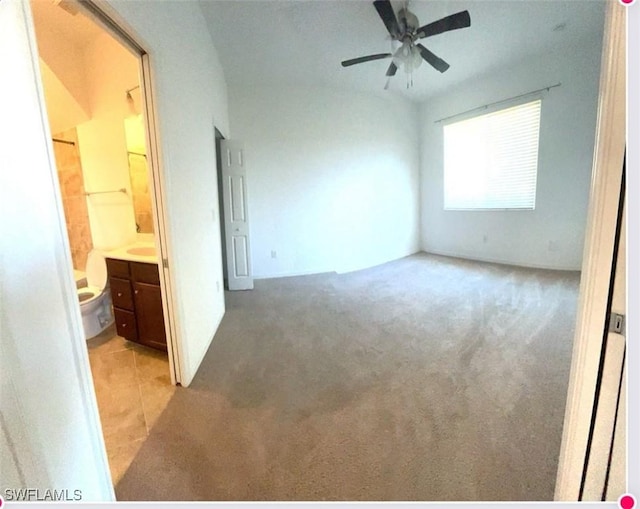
(77, 29)
(302, 42)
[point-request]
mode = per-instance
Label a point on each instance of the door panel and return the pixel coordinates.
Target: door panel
(236, 184)
(236, 220)
(601, 480)
(240, 257)
(617, 484)
(596, 480)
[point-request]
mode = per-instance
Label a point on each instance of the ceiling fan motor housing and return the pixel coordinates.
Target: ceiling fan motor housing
(408, 24)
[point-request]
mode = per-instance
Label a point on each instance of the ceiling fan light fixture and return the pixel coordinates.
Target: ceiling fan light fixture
(407, 57)
(416, 57)
(398, 57)
(402, 54)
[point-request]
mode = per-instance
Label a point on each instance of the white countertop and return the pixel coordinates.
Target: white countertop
(121, 253)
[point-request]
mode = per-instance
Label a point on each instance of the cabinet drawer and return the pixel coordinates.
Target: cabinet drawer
(118, 268)
(121, 294)
(126, 324)
(145, 273)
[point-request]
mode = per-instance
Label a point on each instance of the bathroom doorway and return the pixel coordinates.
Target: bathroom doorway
(98, 108)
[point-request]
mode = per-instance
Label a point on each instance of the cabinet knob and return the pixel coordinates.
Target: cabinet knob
(119, 294)
(136, 292)
(124, 325)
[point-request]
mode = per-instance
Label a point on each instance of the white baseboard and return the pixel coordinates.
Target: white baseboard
(294, 274)
(501, 261)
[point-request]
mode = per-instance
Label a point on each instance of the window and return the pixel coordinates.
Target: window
(491, 161)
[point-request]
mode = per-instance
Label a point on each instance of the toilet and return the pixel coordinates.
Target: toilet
(95, 298)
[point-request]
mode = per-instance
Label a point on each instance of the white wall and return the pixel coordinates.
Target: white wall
(110, 70)
(567, 134)
(50, 429)
(190, 95)
(332, 178)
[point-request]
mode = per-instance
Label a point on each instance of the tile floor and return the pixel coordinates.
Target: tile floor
(133, 387)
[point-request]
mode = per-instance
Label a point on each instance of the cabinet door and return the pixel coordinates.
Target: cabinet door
(149, 317)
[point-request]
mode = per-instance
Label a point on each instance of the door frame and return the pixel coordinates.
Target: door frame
(598, 256)
(219, 137)
(98, 13)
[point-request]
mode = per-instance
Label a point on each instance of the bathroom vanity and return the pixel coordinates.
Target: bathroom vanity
(137, 301)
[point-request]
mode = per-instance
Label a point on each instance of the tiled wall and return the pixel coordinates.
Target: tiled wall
(73, 199)
(140, 191)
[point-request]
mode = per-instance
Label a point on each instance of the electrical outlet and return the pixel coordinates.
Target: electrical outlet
(274, 254)
(485, 238)
(213, 213)
(218, 285)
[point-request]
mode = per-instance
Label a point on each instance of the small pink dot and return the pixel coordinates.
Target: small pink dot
(626, 2)
(627, 501)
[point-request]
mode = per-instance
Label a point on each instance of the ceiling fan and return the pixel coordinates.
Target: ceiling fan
(406, 29)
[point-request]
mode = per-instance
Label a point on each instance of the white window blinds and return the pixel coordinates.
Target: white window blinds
(491, 161)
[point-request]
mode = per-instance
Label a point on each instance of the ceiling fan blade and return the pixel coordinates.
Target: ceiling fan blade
(432, 59)
(391, 71)
(385, 11)
(368, 58)
(453, 22)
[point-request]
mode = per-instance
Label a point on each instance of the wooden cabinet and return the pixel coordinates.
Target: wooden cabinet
(137, 302)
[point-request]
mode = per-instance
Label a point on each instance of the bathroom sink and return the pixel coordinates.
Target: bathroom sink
(142, 251)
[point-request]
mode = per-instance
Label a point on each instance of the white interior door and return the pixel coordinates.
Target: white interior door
(236, 219)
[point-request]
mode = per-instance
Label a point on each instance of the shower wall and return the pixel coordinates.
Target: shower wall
(65, 148)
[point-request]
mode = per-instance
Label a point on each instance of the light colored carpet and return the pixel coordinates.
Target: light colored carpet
(427, 378)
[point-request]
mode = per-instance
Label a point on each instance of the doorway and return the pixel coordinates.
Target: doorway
(97, 110)
(234, 214)
(223, 236)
